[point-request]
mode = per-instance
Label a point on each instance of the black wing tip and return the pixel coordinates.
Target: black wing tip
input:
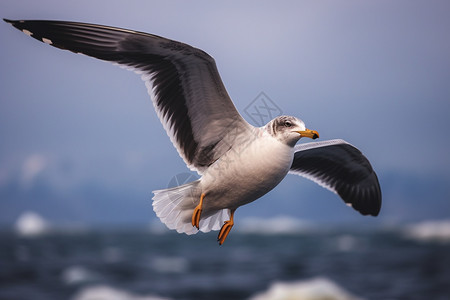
(367, 201)
(9, 21)
(371, 209)
(15, 23)
(371, 206)
(374, 212)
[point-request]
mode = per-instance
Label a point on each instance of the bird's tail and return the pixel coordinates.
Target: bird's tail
(175, 206)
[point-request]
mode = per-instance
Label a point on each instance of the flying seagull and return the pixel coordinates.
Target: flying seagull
(238, 162)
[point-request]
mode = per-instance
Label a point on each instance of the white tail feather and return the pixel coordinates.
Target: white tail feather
(175, 206)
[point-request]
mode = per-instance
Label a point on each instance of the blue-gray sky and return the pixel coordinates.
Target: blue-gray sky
(375, 73)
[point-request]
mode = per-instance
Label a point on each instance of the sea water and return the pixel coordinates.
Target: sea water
(339, 262)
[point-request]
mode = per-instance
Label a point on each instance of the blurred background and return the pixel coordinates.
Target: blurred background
(81, 149)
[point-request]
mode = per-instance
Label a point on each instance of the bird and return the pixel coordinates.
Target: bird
(237, 162)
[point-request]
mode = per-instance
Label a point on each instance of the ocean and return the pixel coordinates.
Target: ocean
(333, 262)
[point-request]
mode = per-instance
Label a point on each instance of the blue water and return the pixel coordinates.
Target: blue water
(368, 263)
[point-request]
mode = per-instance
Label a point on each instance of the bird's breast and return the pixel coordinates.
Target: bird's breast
(246, 172)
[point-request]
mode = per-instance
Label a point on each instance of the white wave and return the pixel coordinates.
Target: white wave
(104, 292)
(312, 289)
(169, 264)
(31, 224)
(346, 243)
(275, 225)
(429, 231)
(78, 275)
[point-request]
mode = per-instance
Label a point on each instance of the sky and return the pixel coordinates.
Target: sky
(80, 141)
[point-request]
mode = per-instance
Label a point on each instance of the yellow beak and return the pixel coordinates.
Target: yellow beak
(309, 133)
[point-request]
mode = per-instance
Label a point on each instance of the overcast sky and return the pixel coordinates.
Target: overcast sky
(375, 73)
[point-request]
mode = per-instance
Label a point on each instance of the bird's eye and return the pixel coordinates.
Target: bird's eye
(287, 124)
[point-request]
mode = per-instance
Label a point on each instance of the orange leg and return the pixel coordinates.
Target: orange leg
(225, 230)
(197, 213)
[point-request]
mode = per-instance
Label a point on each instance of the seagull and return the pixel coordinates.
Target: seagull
(238, 163)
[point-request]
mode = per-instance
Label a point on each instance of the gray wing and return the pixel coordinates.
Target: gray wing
(187, 91)
(343, 169)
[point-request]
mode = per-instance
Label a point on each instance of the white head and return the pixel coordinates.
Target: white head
(289, 130)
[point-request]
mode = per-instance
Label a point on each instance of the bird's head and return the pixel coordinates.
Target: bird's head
(289, 130)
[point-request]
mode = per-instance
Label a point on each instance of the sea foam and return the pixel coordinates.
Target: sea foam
(275, 225)
(31, 224)
(312, 289)
(429, 231)
(104, 292)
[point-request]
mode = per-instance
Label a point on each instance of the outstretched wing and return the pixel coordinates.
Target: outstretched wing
(343, 169)
(187, 92)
